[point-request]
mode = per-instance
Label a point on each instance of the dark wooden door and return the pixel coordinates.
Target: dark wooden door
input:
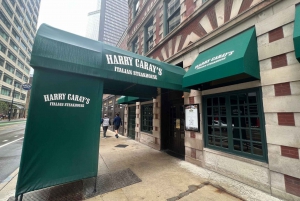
(131, 122)
(176, 134)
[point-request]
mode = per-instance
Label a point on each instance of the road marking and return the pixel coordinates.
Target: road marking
(4, 140)
(11, 142)
(16, 136)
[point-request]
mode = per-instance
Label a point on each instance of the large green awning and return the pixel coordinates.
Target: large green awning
(297, 32)
(231, 61)
(131, 99)
(123, 72)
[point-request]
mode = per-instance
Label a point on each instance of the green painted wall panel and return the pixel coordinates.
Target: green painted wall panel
(61, 142)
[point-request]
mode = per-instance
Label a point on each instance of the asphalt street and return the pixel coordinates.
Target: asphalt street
(11, 141)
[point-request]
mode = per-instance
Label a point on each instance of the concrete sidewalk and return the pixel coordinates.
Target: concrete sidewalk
(163, 177)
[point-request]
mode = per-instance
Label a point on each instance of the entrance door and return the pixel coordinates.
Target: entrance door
(176, 134)
(131, 122)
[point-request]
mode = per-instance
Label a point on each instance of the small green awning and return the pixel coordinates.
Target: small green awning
(234, 60)
(131, 99)
(123, 72)
(297, 32)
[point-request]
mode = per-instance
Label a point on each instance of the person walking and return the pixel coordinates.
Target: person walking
(117, 123)
(105, 123)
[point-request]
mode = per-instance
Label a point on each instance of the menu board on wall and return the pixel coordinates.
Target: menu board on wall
(192, 117)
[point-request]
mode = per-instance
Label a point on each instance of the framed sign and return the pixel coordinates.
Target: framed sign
(192, 117)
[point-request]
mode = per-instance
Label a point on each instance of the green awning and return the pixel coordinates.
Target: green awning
(297, 32)
(234, 60)
(123, 72)
(131, 99)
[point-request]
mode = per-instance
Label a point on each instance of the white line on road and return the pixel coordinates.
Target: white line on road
(16, 136)
(4, 140)
(11, 142)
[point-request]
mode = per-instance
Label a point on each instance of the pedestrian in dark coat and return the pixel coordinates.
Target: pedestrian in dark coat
(117, 123)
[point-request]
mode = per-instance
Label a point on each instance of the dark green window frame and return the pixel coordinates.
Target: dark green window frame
(135, 8)
(147, 118)
(135, 45)
(168, 17)
(234, 123)
(148, 35)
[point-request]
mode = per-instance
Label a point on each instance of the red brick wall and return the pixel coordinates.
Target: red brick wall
(190, 7)
(211, 14)
(275, 34)
(158, 19)
(292, 185)
(286, 119)
(282, 89)
(279, 61)
(191, 100)
(245, 5)
(227, 12)
(290, 152)
(139, 16)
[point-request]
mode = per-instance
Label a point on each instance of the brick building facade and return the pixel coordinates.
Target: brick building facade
(265, 155)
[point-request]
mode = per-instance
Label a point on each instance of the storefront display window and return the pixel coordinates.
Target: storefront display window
(234, 123)
(147, 118)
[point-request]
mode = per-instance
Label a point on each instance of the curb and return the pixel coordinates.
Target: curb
(8, 179)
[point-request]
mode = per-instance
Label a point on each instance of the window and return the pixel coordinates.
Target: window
(172, 15)
(17, 24)
(148, 36)
(7, 79)
(22, 5)
(3, 34)
(24, 35)
(26, 70)
(23, 45)
(20, 64)
(7, 8)
(2, 48)
(1, 62)
(13, 45)
(136, 5)
(5, 91)
(14, 33)
(25, 78)
(19, 14)
(19, 74)
(27, 27)
(27, 16)
(233, 122)
(4, 20)
(23, 96)
(203, 1)
(135, 45)
(18, 85)
(12, 2)
(16, 95)
(147, 118)
(12, 56)
(22, 55)
(10, 68)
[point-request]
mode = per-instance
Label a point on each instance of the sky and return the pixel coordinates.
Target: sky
(68, 15)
